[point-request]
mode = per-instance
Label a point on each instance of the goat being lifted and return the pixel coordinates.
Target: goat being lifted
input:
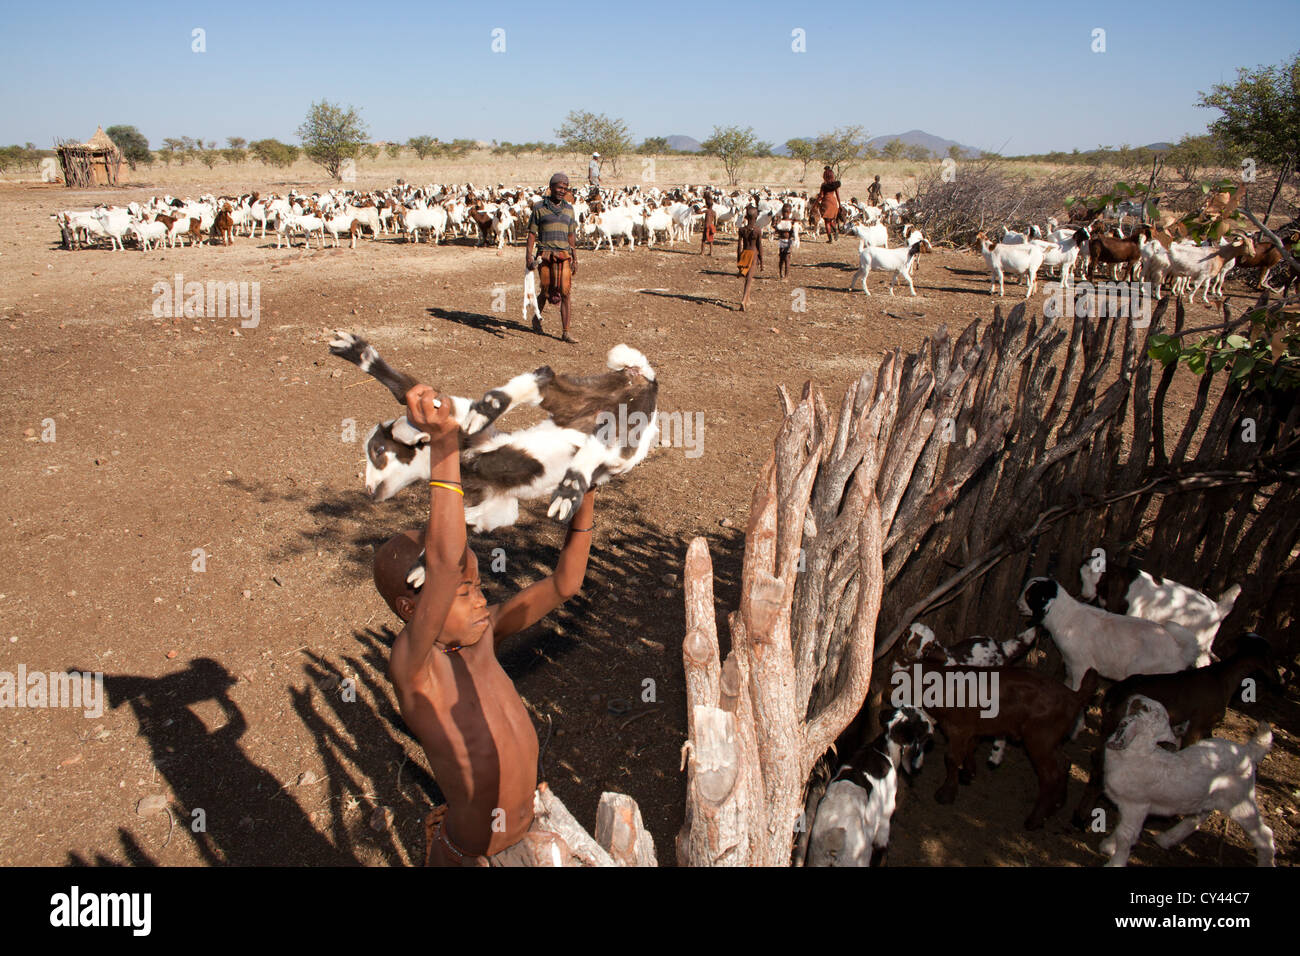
(562, 457)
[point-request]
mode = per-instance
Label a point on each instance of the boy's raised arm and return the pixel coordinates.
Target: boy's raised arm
(444, 539)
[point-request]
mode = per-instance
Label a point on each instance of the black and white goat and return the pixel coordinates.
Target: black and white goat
(600, 426)
(978, 651)
(853, 817)
(1115, 645)
(1127, 590)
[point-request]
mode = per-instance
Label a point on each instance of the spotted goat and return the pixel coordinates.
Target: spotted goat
(560, 458)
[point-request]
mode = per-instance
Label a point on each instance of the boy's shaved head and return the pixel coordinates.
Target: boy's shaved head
(393, 562)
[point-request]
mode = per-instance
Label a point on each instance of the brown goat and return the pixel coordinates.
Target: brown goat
(223, 226)
(1112, 250)
(1031, 708)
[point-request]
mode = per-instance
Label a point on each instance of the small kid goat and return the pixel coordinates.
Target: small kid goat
(1147, 774)
(852, 822)
(561, 457)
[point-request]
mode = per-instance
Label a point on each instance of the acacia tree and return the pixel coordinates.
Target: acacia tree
(584, 132)
(841, 149)
(331, 134)
(1261, 117)
(733, 146)
(273, 152)
(132, 143)
(424, 146)
(803, 151)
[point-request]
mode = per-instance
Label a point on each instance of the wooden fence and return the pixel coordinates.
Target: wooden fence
(946, 478)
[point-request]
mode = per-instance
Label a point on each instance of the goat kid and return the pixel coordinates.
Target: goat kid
(977, 651)
(852, 823)
(1196, 700)
(1146, 774)
(1031, 708)
(1115, 645)
(562, 457)
(1128, 590)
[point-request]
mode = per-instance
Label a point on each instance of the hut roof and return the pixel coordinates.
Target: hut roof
(100, 141)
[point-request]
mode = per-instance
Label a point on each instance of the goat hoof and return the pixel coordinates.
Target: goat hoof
(486, 410)
(567, 496)
(346, 344)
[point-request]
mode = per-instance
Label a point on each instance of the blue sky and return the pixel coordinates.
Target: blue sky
(1024, 81)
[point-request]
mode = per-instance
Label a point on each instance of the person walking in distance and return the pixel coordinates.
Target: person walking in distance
(552, 232)
(593, 170)
(749, 249)
(874, 193)
(710, 226)
(830, 203)
(785, 229)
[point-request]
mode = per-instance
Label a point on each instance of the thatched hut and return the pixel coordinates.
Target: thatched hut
(93, 163)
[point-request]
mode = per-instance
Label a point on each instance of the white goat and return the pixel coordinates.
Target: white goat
(1022, 259)
(149, 234)
(1063, 253)
(896, 261)
(290, 223)
(1115, 645)
(1146, 774)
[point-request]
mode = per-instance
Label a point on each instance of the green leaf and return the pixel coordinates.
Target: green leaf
(1196, 362)
(1241, 368)
(1237, 342)
(1070, 201)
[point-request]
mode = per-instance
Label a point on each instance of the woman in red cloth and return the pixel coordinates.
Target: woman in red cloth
(830, 202)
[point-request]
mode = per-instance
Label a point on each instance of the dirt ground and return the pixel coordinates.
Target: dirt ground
(227, 687)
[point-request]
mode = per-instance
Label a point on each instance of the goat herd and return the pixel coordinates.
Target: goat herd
(1150, 636)
(1155, 253)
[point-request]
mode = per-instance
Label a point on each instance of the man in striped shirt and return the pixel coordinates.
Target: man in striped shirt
(552, 233)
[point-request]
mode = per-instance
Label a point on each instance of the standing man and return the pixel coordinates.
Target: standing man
(451, 689)
(874, 193)
(552, 228)
(593, 170)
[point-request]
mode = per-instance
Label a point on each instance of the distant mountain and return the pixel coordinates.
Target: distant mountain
(1159, 147)
(687, 144)
(917, 137)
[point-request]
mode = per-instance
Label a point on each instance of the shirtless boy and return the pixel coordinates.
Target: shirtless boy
(749, 249)
(451, 690)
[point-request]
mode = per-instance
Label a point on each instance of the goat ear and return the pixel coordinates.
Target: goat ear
(407, 433)
(1180, 730)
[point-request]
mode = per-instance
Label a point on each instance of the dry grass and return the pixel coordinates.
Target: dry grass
(481, 166)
